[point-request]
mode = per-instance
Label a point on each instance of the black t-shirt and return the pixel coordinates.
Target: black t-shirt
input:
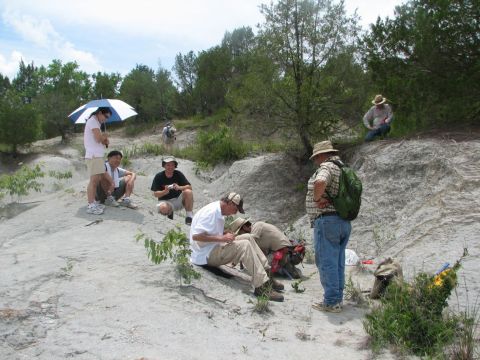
(160, 181)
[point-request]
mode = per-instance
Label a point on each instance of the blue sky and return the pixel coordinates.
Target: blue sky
(115, 35)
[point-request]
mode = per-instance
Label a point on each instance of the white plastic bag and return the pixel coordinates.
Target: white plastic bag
(351, 258)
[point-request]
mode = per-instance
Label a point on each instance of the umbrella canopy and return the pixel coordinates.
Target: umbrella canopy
(120, 110)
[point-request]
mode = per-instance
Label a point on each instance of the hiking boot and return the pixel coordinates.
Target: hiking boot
(128, 203)
(94, 209)
(276, 285)
(337, 308)
(292, 271)
(170, 216)
(110, 201)
(266, 291)
(188, 220)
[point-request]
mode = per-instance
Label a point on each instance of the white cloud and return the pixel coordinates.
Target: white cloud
(9, 66)
(40, 33)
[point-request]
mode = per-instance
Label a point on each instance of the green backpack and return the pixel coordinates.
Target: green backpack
(349, 197)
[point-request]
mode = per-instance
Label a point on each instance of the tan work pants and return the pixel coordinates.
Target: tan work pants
(245, 251)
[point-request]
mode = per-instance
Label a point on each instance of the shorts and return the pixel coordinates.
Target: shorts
(117, 192)
(95, 166)
(175, 203)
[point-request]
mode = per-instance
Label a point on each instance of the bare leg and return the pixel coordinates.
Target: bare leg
(187, 196)
(92, 187)
(129, 184)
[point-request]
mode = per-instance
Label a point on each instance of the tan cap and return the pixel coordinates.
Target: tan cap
(379, 100)
(237, 200)
(237, 224)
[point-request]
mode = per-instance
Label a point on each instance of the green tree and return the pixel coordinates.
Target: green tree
(300, 37)
(166, 93)
(427, 59)
(214, 74)
(26, 82)
(185, 69)
(19, 122)
(139, 90)
(4, 85)
(106, 86)
(63, 88)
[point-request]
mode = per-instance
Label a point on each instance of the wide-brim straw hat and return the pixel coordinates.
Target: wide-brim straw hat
(322, 147)
(237, 224)
(379, 100)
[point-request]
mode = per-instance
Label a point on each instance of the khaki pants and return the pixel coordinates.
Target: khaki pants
(246, 251)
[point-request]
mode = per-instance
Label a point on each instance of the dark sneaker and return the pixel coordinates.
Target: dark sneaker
(188, 220)
(276, 285)
(170, 216)
(267, 291)
(337, 308)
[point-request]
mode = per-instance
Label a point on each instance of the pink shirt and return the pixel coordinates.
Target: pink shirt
(93, 149)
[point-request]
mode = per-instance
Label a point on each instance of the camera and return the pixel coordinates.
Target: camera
(170, 186)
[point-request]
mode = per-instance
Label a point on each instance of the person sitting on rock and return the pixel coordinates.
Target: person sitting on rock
(378, 119)
(116, 183)
(211, 245)
(269, 239)
(173, 190)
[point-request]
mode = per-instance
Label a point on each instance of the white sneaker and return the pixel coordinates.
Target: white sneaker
(110, 201)
(128, 203)
(99, 205)
(94, 209)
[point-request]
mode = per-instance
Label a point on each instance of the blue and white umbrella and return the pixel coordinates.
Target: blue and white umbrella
(120, 110)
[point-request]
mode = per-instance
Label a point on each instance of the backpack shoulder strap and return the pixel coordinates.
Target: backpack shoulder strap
(339, 163)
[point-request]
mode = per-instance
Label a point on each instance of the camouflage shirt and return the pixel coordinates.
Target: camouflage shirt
(330, 174)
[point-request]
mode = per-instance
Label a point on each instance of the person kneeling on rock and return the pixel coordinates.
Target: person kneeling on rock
(211, 245)
(282, 254)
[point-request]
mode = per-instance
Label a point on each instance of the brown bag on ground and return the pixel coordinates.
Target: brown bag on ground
(387, 271)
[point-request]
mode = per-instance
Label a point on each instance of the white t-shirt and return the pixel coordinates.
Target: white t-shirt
(93, 149)
(210, 221)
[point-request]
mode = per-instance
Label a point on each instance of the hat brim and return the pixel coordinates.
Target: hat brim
(164, 162)
(379, 103)
(240, 227)
(322, 152)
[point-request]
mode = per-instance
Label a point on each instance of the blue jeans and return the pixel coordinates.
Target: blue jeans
(330, 236)
(382, 130)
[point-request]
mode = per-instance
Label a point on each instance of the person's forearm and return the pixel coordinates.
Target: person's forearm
(207, 238)
(160, 193)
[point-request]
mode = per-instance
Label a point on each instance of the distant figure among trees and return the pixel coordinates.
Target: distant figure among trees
(378, 118)
(169, 136)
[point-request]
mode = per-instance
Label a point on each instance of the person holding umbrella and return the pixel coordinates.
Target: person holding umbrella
(95, 142)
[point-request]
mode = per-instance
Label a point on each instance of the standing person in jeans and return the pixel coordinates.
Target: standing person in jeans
(331, 232)
(378, 118)
(173, 190)
(95, 142)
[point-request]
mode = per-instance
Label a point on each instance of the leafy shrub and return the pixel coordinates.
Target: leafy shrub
(175, 246)
(21, 182)
(219, 146)
(411, 318)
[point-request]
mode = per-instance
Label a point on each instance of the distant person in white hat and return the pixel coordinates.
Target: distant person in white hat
(212, 245)
(173, 190)
(378, 118)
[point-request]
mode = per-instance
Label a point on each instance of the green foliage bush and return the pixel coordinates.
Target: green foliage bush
(411, 317)
(175, 246)
(219, 146)
(21, 182)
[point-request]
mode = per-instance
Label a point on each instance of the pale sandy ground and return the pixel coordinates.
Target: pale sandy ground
(68, 290)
